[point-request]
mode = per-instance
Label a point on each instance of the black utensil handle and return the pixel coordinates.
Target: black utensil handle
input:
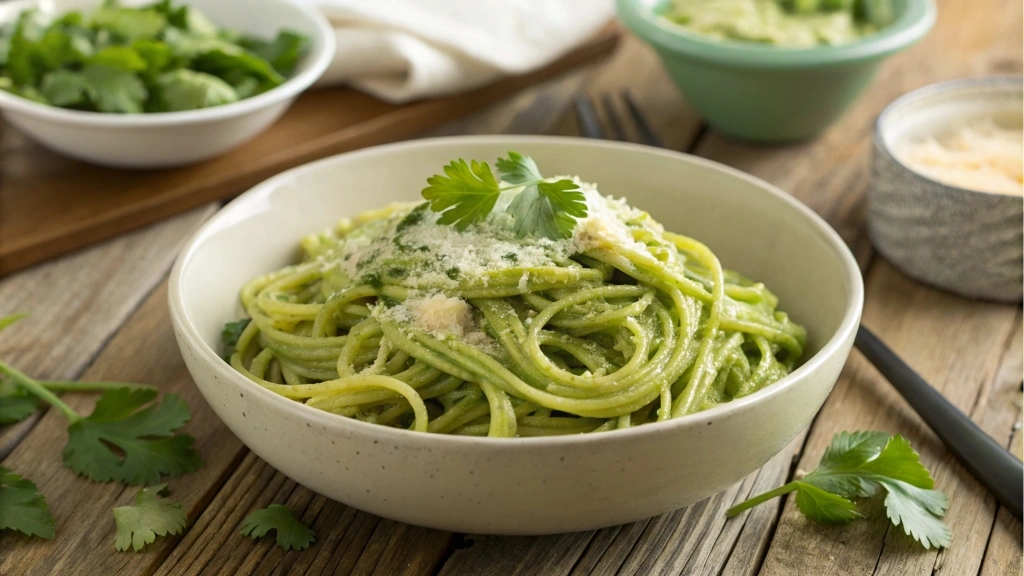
(994, 466)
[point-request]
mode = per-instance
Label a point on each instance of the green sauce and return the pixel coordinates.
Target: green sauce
(789, 23)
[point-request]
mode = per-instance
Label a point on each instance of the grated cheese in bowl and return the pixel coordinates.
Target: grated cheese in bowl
(981, 156)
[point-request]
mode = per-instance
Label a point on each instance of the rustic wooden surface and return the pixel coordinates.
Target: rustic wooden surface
(113, 325)
(61, 204)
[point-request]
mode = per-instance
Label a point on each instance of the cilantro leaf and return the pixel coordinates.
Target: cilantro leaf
(151, 516)
(548, 209)
(120, 57)
(233, 331)
(25, 61)
(129, 23)
(16, 403)
(465, 195)
(542, 209)
(22, 507)
(65, 88)
(142, 432)
(113, 89)
(824, 506)
(187, 90)
(858, 464)
(283, 53)
(291, 534)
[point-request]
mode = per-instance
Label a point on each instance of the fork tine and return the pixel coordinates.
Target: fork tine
(643, 129)
(589, 124)
(613, 117)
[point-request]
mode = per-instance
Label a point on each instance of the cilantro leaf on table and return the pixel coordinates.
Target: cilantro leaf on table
(856, 465)
(16, 403)
(141, 431)
(291, 534)
(542, 209)
(465, 195)
(150, 516)
(22, 507)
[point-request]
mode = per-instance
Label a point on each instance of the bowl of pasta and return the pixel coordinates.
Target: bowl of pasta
(515, 335)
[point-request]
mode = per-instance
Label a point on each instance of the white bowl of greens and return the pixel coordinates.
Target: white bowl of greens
(144, 85)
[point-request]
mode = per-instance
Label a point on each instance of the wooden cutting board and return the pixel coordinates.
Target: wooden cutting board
(51, 205)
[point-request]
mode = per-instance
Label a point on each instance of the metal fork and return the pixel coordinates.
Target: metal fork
(991, 464)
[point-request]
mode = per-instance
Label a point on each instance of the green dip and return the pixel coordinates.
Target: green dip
(792, 23)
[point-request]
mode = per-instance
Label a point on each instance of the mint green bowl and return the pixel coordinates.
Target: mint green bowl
(765, 93)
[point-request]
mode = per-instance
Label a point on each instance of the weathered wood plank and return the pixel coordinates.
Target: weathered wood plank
(958, 346)
(79, 300)
(1003, 555)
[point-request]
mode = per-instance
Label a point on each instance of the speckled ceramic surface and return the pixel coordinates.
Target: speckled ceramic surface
(522, 485)
(970, 243)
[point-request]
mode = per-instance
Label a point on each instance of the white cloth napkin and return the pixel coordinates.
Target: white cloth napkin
(401, 50)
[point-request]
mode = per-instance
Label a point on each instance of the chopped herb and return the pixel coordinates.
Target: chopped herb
(452, 273)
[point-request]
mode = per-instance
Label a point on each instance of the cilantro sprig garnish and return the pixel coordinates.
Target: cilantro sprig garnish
(22, 507)
(467, 193)
(857, 465)
(150, 516)
(290, 532)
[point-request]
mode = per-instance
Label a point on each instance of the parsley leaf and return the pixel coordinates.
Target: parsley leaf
(855, 465)
(143, 434)
(465, 195)
(151, 516)
(290, 532)
(22, 507)
(548, 209)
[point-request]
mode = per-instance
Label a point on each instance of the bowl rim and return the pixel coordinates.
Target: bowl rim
(909, 27)
(1008, 82)
(225, 217)
(319, 59)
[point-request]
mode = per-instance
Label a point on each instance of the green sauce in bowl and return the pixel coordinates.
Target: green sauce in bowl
(786, 23)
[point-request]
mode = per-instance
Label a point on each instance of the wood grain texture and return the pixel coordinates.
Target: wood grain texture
(52, 205)
(77, 302)
(932, 331)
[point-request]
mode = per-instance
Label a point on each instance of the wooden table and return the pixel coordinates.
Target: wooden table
(102, 314)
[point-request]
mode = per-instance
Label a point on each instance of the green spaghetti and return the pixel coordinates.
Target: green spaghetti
(519, 307)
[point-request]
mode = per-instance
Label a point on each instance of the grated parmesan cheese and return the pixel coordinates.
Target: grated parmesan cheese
(980, 156)
(442, 317)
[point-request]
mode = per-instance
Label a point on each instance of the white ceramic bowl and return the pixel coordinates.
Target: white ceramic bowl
(968, 242)
(522, 485)
(176, 138)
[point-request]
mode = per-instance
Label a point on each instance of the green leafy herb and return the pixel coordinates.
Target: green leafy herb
(127, 438)
(467, 194)
(151, 516)
(231, 333)
(22, 507)
(156, 58)
(290, 532)
(856, 465)
(143, 432)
